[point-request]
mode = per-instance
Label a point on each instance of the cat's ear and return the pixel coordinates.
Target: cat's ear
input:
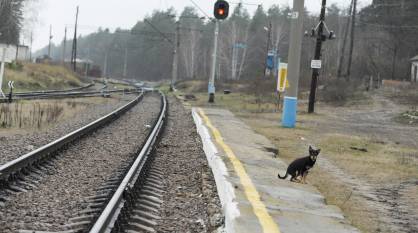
(310, 148)
(319, 151)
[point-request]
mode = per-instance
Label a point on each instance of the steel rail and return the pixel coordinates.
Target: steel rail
(112, 212)
(53, 91)
(69, 95)
(11, 169)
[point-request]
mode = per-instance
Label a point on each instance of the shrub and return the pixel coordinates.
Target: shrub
(339, 91)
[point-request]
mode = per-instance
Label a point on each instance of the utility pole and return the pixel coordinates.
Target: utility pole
(176, 57)
(295, 52)
(268, 46)
(342, 56)
(74, 51)
(353, 27)
(211, 86)
(50, 38)
(64, 47)
(87, 63)
(105, 66)
(125, 63)
(17, 50)
(315, 73)
(31, 43)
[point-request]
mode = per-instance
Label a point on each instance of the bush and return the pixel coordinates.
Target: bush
(339, 91)
(18, 66)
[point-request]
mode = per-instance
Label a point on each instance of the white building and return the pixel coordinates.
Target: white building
(22, 53)
(414, 69)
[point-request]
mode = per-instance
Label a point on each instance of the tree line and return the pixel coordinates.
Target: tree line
(11, 19)
(368, 43)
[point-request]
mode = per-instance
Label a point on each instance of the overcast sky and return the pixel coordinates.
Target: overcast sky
(125, 13)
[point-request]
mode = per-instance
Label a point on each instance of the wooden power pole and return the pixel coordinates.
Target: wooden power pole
(74, 51)
(315, 73)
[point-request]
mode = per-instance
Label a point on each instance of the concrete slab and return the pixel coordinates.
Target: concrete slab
(256, 204)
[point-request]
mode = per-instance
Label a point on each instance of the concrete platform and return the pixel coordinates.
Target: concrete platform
(253, 198)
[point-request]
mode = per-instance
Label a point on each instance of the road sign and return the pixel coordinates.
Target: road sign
(282, 82)
(316, 64)
(270, 60)
(11, 84)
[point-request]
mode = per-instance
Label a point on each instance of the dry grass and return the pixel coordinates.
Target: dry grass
(406, 95)
(26, 116)
(383, 163)
(238, 102)
(34, 77)
(36, 115)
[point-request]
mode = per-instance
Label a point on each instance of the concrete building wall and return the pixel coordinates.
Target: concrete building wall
(23, 52)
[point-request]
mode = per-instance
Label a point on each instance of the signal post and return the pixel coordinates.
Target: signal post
(221, 12)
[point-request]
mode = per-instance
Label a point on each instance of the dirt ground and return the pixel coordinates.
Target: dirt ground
(369, 162)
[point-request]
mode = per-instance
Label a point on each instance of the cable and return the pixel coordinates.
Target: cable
(156, 29)
(247, 4)
(389, 26)
(200, 9)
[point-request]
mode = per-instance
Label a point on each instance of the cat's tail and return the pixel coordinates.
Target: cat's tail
(284, 177)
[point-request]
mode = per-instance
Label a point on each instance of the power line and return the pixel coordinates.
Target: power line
(246, 3)
(161, 33)
(390, 26)
(200, 9)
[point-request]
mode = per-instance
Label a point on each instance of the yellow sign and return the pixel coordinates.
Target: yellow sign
(282, 82)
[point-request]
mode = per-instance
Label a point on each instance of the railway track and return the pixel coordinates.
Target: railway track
(13, 171)
(72, 94)
(131, 196)
(27, 173)
(54, 91)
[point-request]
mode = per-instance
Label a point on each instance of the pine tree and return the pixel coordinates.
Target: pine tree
(11, 17)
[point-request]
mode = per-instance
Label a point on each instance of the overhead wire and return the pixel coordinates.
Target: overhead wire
(158, 30)
(200, 9)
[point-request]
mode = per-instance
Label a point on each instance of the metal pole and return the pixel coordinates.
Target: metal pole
(315, 72)
(211, 86)
(295, 49)
(3, 60)
(176, 57)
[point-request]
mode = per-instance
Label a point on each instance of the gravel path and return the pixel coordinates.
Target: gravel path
(191, 203)
(11, 147)
(80, 169)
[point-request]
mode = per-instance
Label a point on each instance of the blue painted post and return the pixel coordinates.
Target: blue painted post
(295, 49)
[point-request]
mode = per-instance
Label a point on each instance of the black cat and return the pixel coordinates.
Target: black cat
(300, 167)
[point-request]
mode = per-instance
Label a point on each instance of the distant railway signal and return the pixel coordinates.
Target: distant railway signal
(221, 10)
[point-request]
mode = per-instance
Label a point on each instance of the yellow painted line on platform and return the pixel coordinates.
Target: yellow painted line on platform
(265, 219)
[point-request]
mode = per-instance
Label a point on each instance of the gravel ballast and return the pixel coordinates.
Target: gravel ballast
(11, 147)
(191, 202)
(80, 169)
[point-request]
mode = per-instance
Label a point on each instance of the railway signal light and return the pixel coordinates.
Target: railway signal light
(221, 10)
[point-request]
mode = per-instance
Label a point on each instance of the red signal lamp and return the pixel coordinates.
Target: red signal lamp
(221, 9)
